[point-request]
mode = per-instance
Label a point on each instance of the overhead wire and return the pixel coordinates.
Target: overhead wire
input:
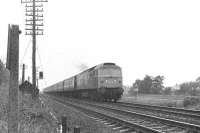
(25, 51)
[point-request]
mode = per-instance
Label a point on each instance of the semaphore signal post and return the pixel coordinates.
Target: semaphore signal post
(34, 27)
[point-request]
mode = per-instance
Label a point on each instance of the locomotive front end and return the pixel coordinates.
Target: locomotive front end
(110, 82)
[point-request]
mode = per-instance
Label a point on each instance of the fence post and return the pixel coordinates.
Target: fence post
(77, 129)
(64, 124)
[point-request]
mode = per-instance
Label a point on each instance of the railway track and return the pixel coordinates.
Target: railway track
(169, 109)
(128, 121)
(190, 116)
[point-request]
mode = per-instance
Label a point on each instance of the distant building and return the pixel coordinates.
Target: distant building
(26, 87)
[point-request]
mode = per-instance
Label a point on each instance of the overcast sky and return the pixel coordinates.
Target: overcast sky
(154, 37)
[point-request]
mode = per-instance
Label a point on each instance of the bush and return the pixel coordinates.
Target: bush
(190, 101)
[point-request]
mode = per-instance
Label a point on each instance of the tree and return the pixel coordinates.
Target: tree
(1, 66)
(167, 90)
(149, 85)
(157, 85)
(198, 79)
(145, 85)
(189, 88)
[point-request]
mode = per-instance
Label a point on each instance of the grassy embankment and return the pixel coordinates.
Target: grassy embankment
(162, 100)
(32, 118)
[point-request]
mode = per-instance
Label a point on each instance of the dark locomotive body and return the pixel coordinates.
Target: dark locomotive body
(102, 83)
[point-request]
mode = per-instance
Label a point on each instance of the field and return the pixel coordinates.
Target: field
(163, 100)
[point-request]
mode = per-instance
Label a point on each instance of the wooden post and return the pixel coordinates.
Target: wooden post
(13, 66)
(22, 91)
(64, 124)
(23, 73)
(77, 129)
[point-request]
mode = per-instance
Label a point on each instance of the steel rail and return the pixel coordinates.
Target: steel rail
(169, 121)
(184, 125)
(160, 109)
(181, 110)
(125, 123)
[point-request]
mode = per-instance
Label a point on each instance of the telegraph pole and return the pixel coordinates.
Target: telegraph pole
(34, 27)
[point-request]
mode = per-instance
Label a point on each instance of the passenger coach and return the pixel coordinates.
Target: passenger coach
(102, 83)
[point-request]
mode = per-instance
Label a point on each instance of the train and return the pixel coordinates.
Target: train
(102, 82)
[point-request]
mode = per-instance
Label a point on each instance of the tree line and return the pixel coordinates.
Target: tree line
(149, 85)
(189, 88)
(154, 85)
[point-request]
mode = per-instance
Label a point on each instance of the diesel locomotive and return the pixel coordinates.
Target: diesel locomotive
(100, 83)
